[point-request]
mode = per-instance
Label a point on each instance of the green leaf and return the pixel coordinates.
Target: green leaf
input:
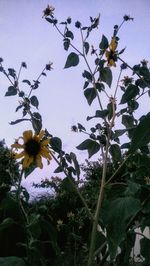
(66, 44)
(11, 261)
(104, 43)
(127, 121)
(56, 144)
(76, 164)
(36, 122)
(87, 75)
(102, 113)
(106, 75)
(141, 135)
(90, 95)
(34, 101)
(90, 145)
(11, 91)
(116, 214)
(69, 34)
(119, 132)
(29, 170)
(86, 47)
(27, 81)
(72, 60)
(115, 152)
(131, 92)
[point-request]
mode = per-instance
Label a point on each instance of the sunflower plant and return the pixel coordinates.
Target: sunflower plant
(122, 187)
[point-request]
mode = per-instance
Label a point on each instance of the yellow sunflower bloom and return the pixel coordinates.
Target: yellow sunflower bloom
(34, 148)
(111, 54)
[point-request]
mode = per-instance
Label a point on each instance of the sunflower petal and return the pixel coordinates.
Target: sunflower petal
(41, 134)
(17, 146)
(27, 135)
(113, 44)
(38, 161)
(45, 154)
(27, 160)
(45, 142)
(19, 155)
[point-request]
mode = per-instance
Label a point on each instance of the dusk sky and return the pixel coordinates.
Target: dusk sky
(26, 36)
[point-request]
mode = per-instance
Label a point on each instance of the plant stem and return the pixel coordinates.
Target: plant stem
(76, 189)
(101, 193)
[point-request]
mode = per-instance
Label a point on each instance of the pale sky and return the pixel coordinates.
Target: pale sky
(26, 36)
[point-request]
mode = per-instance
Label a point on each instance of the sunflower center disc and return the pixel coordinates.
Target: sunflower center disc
(32, 147)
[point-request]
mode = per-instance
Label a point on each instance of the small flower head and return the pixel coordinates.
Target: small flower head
(34, 148)
(127, 17)
(59, 224)
(78, 24)
(147, 180)
(111, 54)
(127, 80)
(123, 66)
(48, 11)
(70, 215)
(144, 63)
(49, 66)
(74, 128)
(24, 64)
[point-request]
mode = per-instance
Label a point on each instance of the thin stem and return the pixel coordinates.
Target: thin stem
(19, 73)
(101, 193)
(117, 84)
(36, 81)
(118, 169)
(70, 42)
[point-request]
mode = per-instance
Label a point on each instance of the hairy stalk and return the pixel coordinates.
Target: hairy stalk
(76, 189)
(101, 193)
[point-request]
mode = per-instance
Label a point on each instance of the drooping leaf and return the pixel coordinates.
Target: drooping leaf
(27, 81)
(104, 43)
(106, 75)
(90, 95)
(76, 164)
(115, 152)
(36, 122)
(19, 120)
(56, 144)
(131, 92)
(141, 135)
(91, 146)
(66, 44)
(72, 60)
(86, 47)
(34, 101)
(11, 91)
